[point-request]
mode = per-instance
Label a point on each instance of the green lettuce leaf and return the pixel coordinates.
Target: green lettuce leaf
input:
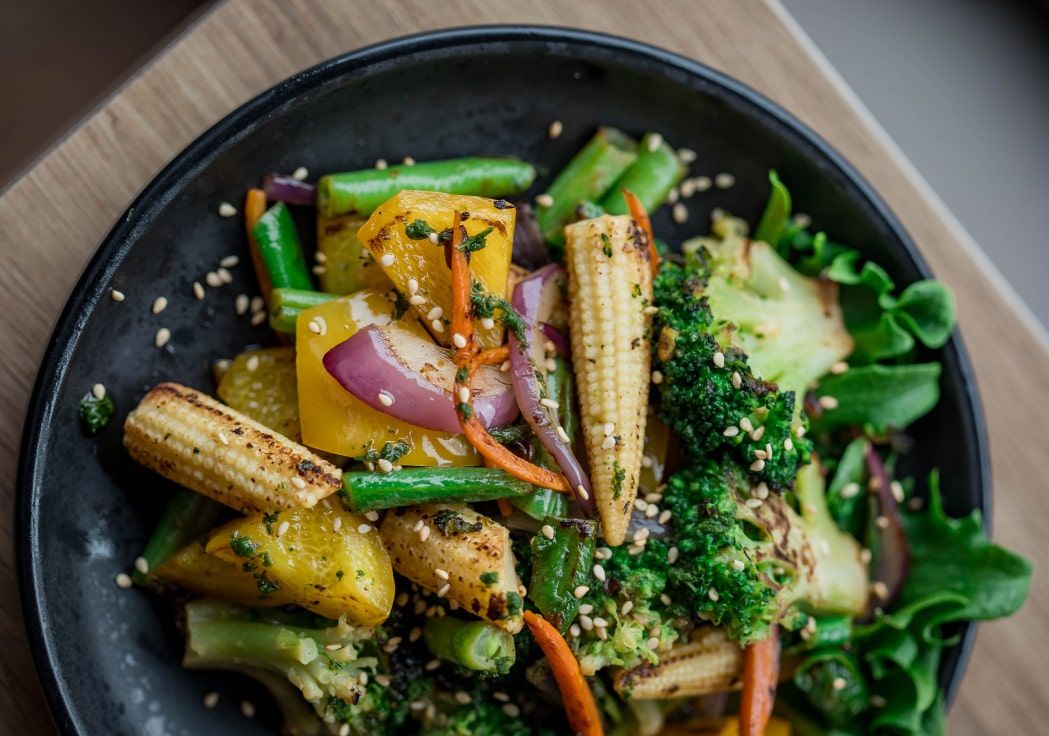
(879, 397)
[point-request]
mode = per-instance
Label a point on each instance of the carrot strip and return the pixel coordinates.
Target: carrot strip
(637, 211)
(254, 208)
(760, 674)
(467, 359)
(505, 507)
(583, 716)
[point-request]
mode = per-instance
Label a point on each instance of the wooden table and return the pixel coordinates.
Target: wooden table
(53, 217)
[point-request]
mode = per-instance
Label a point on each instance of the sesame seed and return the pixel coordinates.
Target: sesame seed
(211, 699)
(665, 599)
(641, 535)
(873, 483)
(738, 564)
(98, 391)
(437, 326)
(336, 526)
(838, 683)
(550, 364)
(608, 428)
(635, 549)
(849, 490)
(768, 448)
(142, 565)
(381, 164)
(646, 461)
(562, 434)
(753, 503)
(417, 300)
(162, 337)
(435, 313)
(586, 622)
(319, 270)
(788, 444)
(652, 511)
(224, 275)
(651, 309)
(672, 555)
(247, 709)
(608, 443)
(549, 403)
(865, 556)
(443, 590)
(458, 340)
(665, 515)
(758, 433)
(252, 363)
(226, 209)
(712, 594)
(159, 304)
(581, 590)
(554, 129)
(702, 184)
(258, 318)
(840, 367)
(603, 553)
(487, 323)
(548, 531)
(897, 490)
(413, 286)
(799, 431)
(600, 623)
(731, 431)
(387, 259)
(653, 642)
(724, 181)
(882, 522)
(334, 647)
(640, 504)
(687, 188)
(599, 573)
(719, 359)
(679, 213)
(385, 398)
(424, 533)
(257, 304)
(364, 528)
(655, 140)
(230, 261)
(442, 574)
(283, 528)
(880, 590)
(657, 377)
(673, 195)
(116, 295)
(878, 701)
(758, 465)
(761, 490)
(298, 482)
(544, 200)
(828, 402)
(432, 237)
(746, 425)
(314, 326)
(212, 279)
(915, 503)
(512, 710)
(408, 161)
(123, 580)
(419, 524)
(384, 465)
(371, 516)
(241, 304)
(464, 395)
(582, 492)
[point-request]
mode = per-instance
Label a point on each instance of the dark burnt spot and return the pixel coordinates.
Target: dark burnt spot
(502, 204)
(496, 607)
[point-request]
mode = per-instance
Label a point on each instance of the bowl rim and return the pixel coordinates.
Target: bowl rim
(92, 284)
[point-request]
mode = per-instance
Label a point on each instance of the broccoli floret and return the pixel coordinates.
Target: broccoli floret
(740, 336)
(745, 562)
(481, 717)
(224, 636)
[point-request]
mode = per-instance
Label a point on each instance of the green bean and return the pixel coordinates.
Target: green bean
(278, 242)
(830, 631)
(287, 304)
(364, 491)
(777, 213)
(475, 645)
(543, 503)
(560, 386)
(590, 173)
(656, 171)
(186, 516)
(361, 192)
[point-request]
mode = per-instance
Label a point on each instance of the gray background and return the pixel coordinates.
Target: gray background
(962, 86)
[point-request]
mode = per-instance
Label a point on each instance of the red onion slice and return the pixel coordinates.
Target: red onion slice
(893, 559)
(410, 378)
(535, 299)
(284, 188)
(559, 339)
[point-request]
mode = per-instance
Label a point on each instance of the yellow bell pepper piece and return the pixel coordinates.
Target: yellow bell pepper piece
(261, 384)
(332, 418)
(419, 259)
(348, 265)
(194, 569)
(328, 560)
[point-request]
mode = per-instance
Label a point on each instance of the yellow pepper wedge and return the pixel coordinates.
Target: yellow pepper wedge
(326, 559)
(333, 420)
(261, 384)
(408, 258)
(194, 569)
(348, 265)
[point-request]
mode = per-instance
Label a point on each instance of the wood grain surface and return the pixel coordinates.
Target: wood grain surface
(52, 219)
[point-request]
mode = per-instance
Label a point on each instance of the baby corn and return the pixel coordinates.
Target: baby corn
(610, 284)
(204, 445)
(710, 663)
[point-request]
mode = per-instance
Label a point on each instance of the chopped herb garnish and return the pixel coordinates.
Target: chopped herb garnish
(96, 413)
(514, 604)
(476, 242)
(339, 574)
(489, 305)
(418, 230)
(360, 574)
(489, 578)
(618, 476)
(465, 409)
(450, 522)
(606, 245)
(242, 546)
(269, 520)
(391, 452)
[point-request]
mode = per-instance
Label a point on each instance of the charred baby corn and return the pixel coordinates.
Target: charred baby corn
(610, 287)
(710, 663)
(204, 445)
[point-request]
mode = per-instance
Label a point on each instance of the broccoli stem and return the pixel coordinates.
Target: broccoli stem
(186, 516)
(475, 645)
(365, 491)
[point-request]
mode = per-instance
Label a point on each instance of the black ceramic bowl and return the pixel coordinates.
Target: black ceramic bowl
(109, 658)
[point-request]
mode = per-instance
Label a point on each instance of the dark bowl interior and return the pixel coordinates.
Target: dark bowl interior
(109, 658)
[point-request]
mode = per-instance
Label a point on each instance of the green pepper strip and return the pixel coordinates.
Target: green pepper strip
(559, 566)
(361, 192)
(278, 242)
(475, 645)
(287, 304)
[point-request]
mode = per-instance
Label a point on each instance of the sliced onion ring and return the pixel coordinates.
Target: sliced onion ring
(380, 364)
(893, 559)
(535, 299)
(284, 188)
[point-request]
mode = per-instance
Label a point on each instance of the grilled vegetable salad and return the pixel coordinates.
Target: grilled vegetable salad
(519, 467)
